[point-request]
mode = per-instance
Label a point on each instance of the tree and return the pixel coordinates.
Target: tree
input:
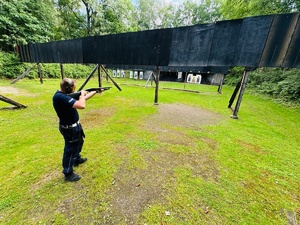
(118, 16)
(147, 14)
(206, 11)
(23, 22)
(80, 18)
(234, 9)
(71, 21)
(161, 14)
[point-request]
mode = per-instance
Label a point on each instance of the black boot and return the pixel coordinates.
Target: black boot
(80, 161)
(72, 177)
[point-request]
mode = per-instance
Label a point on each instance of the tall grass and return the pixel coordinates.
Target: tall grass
(241, 171)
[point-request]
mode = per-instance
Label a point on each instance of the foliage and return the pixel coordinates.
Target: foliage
(159, 14)
(234, 76)
(235, 9)
(23, 22)
(79, 18)
(10, 65)
(11, 68)
(194, 13)
(75, 71)
(70, 23)
(282, 84)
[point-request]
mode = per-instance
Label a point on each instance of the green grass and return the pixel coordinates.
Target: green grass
(243, 171)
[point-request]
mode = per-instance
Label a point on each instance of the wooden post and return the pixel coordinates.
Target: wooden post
(23, 74)
(236, 90)
(99, 76)
(242, 90)
(221, 85)
(16, 104)
(185, 80)
(110, 78)
(62, 71)
(40, 73)
(156, 87)
(89, 77)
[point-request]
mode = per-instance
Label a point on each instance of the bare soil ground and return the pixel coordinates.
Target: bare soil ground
(8, 90)
(135, 189)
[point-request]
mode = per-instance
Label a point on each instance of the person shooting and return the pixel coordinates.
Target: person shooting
(69, 126)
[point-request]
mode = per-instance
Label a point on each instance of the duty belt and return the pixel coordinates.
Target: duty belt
(69, 126)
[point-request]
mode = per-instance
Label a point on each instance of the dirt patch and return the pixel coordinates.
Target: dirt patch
(97, 117)
(9, 90)
(135, 189)
(4, 90)
(181, 116)
(44, 180)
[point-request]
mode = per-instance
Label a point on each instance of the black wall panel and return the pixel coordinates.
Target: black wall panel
(128, 46)
(103, 48)
(252, 39)
(154, 47)
(199, 38)
(100, 47)
(59, 52)
(138, 48)
(122, 53)
(164, 46)
(48, 55)
(146, 51)
(224, 41)
(114, 48)
(26, 53)
(279, 39)
(292, 59)
(179, 46)
(77, 50)
(110, 48)
(32, 51)
(44, 52)
(54, 52)
(66, 51)
(73, 51)
(21, 52)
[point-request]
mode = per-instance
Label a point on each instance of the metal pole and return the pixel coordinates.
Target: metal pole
(243, 86)
(148, 79)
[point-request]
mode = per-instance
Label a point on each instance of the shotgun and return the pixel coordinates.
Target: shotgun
(76, 95)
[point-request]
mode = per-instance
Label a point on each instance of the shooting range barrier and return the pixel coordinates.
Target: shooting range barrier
(260, 41)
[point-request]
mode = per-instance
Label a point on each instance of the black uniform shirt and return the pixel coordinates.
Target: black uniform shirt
(63, 105)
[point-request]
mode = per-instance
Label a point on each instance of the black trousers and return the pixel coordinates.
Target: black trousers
(74, 139)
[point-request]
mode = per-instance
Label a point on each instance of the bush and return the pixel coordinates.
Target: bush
(10, 65)
(281, 84)
(234, 76)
